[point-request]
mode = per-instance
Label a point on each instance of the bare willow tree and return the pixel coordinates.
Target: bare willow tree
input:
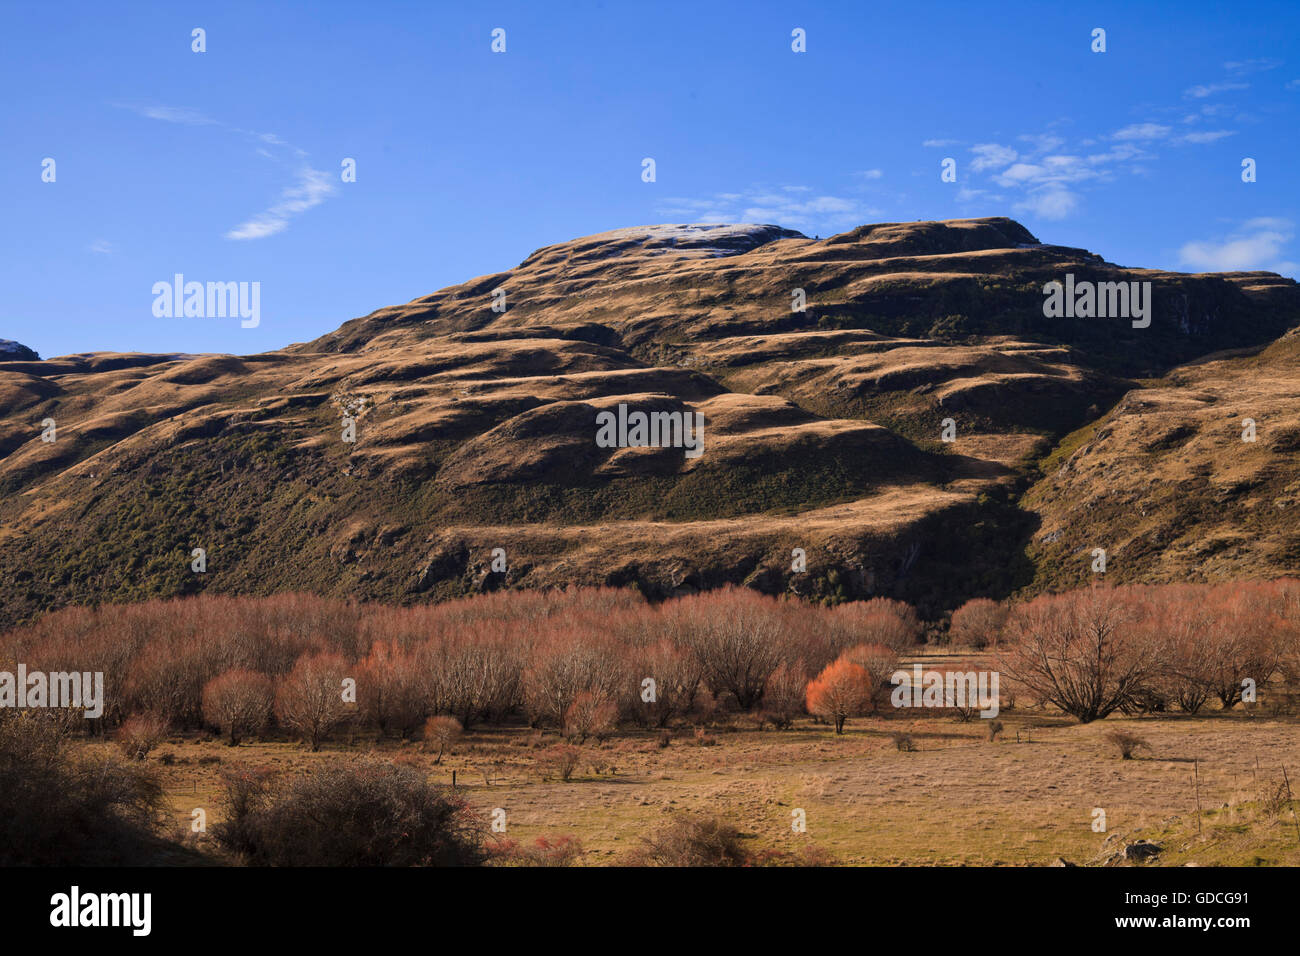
(676, 676)
(1244, 645)
(309, 700)
(1078, 651)
(391, 689)
(238, 702)
(739, 639)
(1182, 622)
(566, 663)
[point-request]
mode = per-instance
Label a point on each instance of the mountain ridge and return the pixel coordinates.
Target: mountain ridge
(474, 427)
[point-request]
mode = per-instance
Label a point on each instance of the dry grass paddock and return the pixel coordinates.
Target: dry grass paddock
(958, 799)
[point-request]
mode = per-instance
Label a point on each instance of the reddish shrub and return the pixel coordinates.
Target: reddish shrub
(590, 715)
(441, 733)
(563, 851)
(140, 733)
(978, 623)
(880, 662)
(562, 759)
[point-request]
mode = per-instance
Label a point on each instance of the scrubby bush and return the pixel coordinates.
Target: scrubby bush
(590, 715)
(59, 810)
(140, 733)
(1126, 743)
(246, 793)
(693, 841)
(353, 813)
(561, 759)
(563, 851)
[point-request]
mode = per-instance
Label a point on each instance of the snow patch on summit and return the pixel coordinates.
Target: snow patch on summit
(715, 239)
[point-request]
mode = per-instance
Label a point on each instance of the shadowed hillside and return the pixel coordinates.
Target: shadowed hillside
(1172, 482)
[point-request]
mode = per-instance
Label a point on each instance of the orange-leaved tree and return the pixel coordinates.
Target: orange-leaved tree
(842, 690)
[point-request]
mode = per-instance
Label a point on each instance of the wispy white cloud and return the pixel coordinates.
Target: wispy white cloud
(1051, 201)
(101, 247)
(1141, 131)
(1047, 173)
(172, 114)
(1043, 174)
(1043, 142)
(1205, 136)
(939, 143)
(1202, 90)
(990, 155)
(869, 173)
(1121, 153)
(967, 195)
(1255, 244)
(310, 187)
(1257, 65)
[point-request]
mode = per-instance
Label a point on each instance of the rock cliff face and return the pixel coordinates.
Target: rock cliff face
(474, 412)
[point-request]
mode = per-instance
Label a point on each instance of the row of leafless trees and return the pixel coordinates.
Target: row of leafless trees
(579, 660)
(1147, 648)
(585, 659)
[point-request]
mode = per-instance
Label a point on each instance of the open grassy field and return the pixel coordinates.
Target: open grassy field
(1027, 798)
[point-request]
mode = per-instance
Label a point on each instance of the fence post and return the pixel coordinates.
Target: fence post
(1291, 801)
(1196, 772)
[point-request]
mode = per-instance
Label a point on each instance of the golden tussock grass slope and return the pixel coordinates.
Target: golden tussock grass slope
(1168, 485)
(475, 428)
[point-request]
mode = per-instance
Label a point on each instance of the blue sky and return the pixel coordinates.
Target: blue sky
(225, 165)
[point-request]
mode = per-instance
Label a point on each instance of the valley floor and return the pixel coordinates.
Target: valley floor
(1027, 799)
